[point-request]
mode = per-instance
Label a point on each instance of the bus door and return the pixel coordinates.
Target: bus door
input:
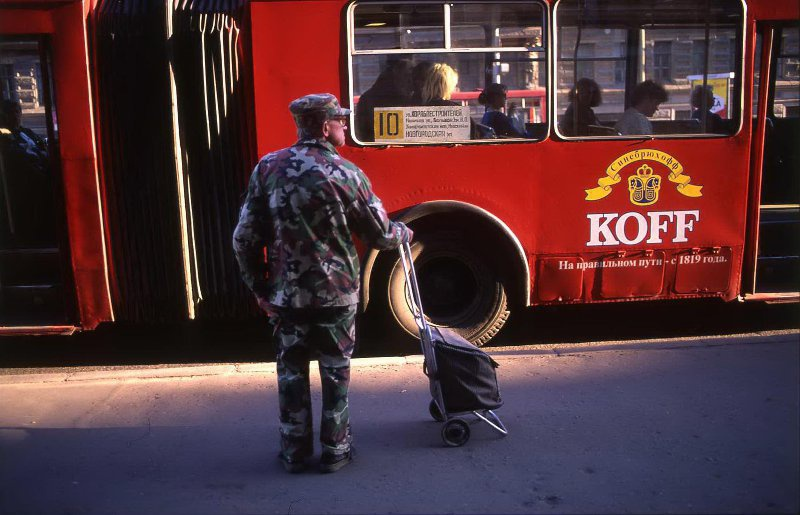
(34, 268)
(777, 268)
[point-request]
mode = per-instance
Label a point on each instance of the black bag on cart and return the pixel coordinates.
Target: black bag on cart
(466, 374)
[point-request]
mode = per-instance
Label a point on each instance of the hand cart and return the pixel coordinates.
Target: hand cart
(462, 377)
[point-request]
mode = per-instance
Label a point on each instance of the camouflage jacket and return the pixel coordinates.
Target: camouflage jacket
(302, 204)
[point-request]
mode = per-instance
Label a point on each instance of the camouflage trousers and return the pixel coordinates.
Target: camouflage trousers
(327, 334)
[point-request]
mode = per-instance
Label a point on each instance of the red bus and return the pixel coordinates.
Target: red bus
(151, 116)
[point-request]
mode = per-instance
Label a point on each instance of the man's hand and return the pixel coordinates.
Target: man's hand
(408, 234)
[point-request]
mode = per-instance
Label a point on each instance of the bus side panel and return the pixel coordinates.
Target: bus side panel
(696, 206)
(25, 21)
(496, 178)
(766, 10)
(296, 51)
(79, 164)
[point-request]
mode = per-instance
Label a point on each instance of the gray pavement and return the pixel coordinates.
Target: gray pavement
(674, 426)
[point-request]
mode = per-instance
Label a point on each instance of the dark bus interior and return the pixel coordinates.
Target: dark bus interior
(34, 267)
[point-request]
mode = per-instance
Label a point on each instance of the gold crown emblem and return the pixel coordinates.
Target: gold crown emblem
(644, 186)
(644, 171)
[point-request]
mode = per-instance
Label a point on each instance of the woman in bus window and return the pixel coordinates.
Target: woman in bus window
(437, 87)
(439, 84)
(579, 115)
(494, 98)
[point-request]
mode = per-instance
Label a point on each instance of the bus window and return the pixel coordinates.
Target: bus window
(787, 75)
(628, 68)
(781, 175)
(418, 72)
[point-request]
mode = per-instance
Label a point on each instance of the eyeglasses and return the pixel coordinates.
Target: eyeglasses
(341, 119)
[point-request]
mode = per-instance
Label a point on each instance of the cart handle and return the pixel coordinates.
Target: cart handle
(411, 281)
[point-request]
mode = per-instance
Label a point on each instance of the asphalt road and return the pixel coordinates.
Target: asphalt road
(660, 426)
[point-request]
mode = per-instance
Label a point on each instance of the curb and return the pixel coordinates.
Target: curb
(127, 373)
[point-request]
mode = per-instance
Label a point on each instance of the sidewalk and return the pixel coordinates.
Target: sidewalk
(682, 426)
(128, 372)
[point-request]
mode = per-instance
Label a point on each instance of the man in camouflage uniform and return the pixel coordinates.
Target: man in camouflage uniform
(302, 204)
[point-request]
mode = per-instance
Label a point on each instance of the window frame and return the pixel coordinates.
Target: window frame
(738, 93)
(544, 49)
(662, 61)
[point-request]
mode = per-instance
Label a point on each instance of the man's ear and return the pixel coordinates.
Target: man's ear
(325, 129)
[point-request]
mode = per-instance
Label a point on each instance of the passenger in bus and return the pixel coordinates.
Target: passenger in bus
(645, 99)
(26, 180)
(438, 85)
(703, 100)
(303, 205)
(392, 88)
(493, 97)
(579, 115)
(23, 145)
(419, 74)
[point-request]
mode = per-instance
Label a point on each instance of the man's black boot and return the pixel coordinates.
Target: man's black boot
(292, 465)
(332, 462)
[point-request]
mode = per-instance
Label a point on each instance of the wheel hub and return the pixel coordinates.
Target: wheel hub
(448, 287)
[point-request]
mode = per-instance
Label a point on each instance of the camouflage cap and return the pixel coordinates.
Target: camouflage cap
(314, 103)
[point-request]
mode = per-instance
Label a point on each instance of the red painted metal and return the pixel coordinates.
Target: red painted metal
(767, 10)
(561, 278)
(759, 137)
(619, 281)
(703, 270)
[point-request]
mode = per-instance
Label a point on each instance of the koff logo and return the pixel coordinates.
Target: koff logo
(644, 186)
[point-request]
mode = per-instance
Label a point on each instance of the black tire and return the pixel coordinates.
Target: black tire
(455, 432)
(435, 412)
(460, 289)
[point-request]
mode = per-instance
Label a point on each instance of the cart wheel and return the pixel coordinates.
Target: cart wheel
(455, 433)
(435, 412)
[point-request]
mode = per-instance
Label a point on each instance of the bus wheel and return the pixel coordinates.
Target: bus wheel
(460, 290)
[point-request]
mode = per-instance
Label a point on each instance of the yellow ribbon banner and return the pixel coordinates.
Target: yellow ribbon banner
(612, 177)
